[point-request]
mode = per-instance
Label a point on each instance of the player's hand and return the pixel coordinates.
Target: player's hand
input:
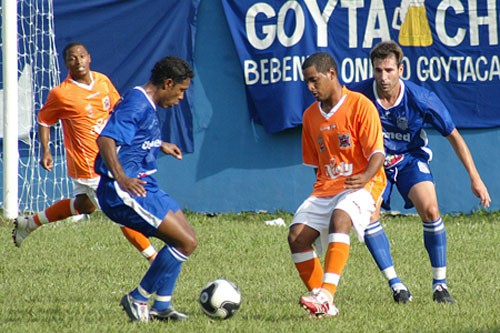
(356, 181)
(133, 186)
(480, 191)
(47, 161)
(171, 149)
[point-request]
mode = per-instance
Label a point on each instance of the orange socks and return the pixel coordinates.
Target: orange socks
(58, 211)
(335, 260)
(140, 242)
(309, 268)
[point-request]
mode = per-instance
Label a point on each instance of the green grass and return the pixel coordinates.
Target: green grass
(69, 277)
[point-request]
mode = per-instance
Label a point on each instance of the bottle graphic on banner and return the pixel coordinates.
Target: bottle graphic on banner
(414, 29)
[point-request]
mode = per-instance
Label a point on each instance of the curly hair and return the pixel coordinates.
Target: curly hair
(171, 67)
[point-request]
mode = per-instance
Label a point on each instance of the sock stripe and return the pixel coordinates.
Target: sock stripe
(163, 298)
(303, 256)
(339, 238)
(143, 292)
(331, 278)
(176, 254)
(373, 228)
(148, 252)
(434, 226)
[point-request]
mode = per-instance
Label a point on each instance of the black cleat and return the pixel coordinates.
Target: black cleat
(402, 295)
(167, 314)
(441, 295)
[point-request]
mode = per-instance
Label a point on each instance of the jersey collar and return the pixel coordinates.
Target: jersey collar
(398, 100)
(147, 96)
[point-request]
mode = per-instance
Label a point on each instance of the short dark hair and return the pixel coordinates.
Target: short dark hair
(385, 49)
(171, 67)
(322, 61)
(70, 46)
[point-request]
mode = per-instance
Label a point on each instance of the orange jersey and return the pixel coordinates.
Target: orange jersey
(83, 110)
(339, 144)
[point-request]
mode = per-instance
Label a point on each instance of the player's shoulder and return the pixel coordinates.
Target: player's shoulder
(416, 90)
(136, 99)
(98, 76)
(357, 97)
(363, 87)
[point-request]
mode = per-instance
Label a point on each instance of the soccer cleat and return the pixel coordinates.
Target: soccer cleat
(167, 314)
(441, 294)
(401, 295)
(136, 310)
(21, 230)
(318, 305)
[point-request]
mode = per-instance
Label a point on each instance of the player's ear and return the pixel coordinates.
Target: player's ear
(168, 83)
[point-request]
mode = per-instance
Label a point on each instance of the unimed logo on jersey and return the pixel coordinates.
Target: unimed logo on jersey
(451, 47)
(151, 144)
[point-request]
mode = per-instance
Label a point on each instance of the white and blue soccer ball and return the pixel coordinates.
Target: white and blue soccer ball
(220, 299)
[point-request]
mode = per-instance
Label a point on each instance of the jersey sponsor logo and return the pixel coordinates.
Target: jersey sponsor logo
(344, 140)
(106, 103)
(334, 170)
(93, 95)
(397, 136)
(99, 126)
(402, 123)
(151, 144)
(326, 128)
(321, 144)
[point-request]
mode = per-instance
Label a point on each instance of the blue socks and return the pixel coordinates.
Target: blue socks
(161, 278)
(435, 244)
(379, 247)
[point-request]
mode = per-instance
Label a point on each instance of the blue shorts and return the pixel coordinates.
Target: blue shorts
(409, 171)
(143, 214)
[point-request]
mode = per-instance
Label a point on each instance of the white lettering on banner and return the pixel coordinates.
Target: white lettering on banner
(456, 8)
(376, 26)
(359, 69)
(376, 15)
(289, 68)
(271, 31)
(465, 68)
(273, 70)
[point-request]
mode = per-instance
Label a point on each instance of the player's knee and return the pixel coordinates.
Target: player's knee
(189, 245)
(431, 213)
(297, 243)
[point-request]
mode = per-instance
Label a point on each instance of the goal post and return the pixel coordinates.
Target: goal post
(10, 102)
(30, 69)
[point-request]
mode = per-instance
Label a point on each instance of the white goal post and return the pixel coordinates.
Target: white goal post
(30, 69)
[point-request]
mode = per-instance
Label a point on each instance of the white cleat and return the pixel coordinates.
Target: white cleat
(21, 230)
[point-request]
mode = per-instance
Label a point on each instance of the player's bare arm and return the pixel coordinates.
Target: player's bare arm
(462, 150)
(46, 161)
(171, 149)
(107, 150)
(374, 164)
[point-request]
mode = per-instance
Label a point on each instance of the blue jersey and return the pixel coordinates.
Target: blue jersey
(403, 124)
(135, 127)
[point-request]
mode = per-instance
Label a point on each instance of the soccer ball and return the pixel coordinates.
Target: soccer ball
(220, 299)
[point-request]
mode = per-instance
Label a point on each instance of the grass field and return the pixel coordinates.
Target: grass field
(69, 277)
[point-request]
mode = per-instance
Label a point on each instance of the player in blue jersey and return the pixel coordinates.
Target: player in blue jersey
(404, 109)
(130, 196)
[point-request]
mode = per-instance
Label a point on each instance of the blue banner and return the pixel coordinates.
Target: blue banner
(126, 38)
(451, 47)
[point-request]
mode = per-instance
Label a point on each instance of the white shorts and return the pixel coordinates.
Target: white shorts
(316, 212)
(88, 187)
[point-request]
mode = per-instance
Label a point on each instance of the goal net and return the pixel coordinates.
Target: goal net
(38, 73)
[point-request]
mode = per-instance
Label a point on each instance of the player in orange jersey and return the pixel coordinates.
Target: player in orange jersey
(342, 141)
(83, 102)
